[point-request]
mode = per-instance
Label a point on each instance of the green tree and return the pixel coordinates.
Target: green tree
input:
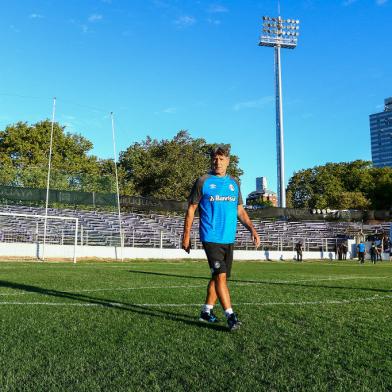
(346, 185)
(167, 169)
(260, 202)
(24, 153)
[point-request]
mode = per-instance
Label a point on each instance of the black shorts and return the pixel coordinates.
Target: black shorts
(220, 257)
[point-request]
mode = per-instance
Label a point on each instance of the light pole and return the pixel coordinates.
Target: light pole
(279, 33)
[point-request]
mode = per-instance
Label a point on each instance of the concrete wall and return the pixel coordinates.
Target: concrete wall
(66, 251)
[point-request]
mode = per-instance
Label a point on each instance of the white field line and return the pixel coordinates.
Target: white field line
(248, 283)
(235, 283)
(257, 304)
(331, 278)
(13, 294)
(137, 288)
(21, 292)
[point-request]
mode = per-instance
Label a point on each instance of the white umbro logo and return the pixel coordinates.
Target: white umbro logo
(212, 186)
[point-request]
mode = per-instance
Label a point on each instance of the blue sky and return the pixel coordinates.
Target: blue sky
(166, 65)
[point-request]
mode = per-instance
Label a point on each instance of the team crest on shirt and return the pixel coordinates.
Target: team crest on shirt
(231, 187)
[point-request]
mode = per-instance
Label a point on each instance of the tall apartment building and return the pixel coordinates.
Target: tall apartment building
(381, 135)
(261, 184)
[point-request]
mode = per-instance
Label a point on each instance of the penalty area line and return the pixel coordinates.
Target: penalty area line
(163, 305)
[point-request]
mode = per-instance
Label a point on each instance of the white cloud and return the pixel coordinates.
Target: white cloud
(94, 18)
(255, 104)
(168, 111)
(36, 16)
(14, 29)
(185, 21)
(68, 117)
(215, 22)
(217, 9)
(349, 2)
(160, 4)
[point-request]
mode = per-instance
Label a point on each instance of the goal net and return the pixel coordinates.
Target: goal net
(53, 236)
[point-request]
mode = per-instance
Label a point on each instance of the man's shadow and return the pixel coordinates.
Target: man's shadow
(113, 304)
(295, 284)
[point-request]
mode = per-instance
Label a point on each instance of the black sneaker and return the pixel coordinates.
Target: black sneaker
(233, 322)
(208, 317)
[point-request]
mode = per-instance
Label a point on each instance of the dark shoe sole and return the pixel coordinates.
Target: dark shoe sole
(235, 327)
(208, 322)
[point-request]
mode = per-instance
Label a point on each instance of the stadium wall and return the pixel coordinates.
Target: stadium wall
(24, 250)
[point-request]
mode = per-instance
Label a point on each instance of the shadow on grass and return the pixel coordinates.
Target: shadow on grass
(139, 309)
(266, 282)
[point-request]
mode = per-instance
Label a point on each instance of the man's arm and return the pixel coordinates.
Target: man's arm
(186, 238)
(245, 220)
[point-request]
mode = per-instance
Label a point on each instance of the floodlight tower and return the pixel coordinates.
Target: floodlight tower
(279, 33)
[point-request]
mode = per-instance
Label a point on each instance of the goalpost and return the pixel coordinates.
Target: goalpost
(39, 229)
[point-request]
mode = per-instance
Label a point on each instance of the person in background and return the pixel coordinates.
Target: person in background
(379, 245)
(361, 252)
(373, 252)
(340, 251)
(344, 250)
(299, 248)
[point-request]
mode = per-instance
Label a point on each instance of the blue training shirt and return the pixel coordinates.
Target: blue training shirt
(361, 247)
(218, 199)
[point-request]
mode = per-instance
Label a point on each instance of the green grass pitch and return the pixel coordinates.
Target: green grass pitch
(133, 326)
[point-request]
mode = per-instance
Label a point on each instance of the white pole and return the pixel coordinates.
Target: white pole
(76, 239)
(279, 130)
(48, 178)
(117, 188)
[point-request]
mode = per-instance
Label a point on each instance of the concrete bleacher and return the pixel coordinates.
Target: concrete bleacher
(101, 228)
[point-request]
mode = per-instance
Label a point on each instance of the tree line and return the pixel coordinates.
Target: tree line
(164, 169)
(167, 168)
(346, 185)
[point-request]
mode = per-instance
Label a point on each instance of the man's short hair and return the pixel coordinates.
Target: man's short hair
(220, 149)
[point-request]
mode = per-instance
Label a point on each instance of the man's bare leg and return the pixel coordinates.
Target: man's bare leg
(217, 288)
(221, 290)
(211, 297)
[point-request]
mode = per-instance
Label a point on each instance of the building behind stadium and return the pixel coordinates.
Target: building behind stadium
(381, 135)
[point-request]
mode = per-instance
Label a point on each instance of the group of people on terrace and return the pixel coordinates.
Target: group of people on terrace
(379, 244)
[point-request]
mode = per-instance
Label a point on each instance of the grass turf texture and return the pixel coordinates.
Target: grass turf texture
(134, 327)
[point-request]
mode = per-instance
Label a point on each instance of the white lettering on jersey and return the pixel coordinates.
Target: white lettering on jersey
(222, 198)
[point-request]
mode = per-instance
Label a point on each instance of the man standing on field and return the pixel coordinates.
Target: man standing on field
(219, 199)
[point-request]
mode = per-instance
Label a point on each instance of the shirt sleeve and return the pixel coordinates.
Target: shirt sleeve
(240, 200)
(196, 192)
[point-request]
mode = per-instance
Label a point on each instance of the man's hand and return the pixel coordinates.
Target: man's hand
(244, 219)
(186, 238)
(186, 244)
(255, 239)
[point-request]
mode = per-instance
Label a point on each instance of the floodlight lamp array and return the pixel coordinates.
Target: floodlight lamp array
(279, 32)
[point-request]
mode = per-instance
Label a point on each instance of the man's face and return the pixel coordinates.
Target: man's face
(220, 164)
